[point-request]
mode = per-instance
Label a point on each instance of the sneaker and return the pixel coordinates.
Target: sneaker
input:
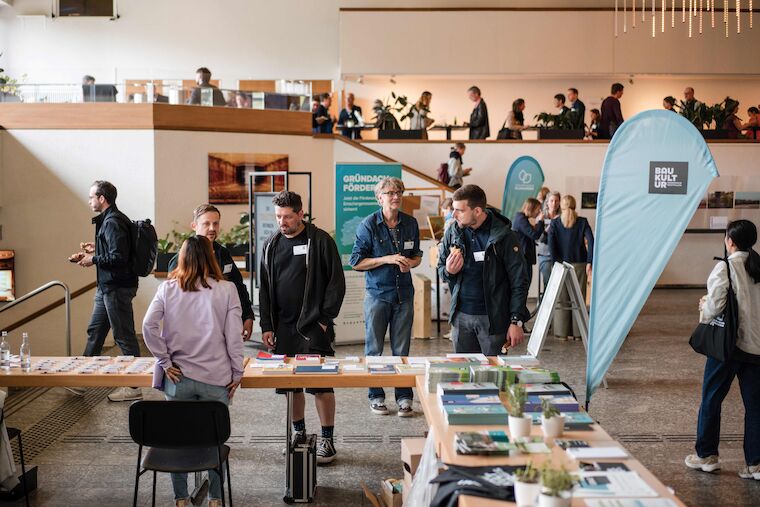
(708, 464)
(126, 394)
(405, 409)
(326, 451)
(378, 407)
(297, 435)
(750, 472)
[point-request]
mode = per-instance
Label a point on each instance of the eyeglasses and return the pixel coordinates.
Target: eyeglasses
(394, 193)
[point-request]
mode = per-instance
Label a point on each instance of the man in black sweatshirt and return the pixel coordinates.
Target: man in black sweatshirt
(301, 292)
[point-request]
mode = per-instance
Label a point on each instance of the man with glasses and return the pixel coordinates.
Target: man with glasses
(387, 247)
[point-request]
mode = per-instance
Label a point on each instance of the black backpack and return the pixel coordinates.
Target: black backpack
(144, 247)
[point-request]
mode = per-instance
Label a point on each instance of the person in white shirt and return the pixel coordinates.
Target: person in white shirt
(744, 268)
(419, 114)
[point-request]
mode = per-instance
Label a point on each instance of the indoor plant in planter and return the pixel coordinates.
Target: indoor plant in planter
(565, 125)
(556, 487)
(165, 254)
(527, 486)
(552, 422)
(236, 239)
(519, 423)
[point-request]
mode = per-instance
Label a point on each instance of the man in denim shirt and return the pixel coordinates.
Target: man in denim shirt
(387, 247)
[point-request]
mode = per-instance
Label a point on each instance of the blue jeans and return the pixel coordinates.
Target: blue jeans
(715, 387)
(545, 266)
(378, 315)
(189, 389)
(470, 335)
(113, 312)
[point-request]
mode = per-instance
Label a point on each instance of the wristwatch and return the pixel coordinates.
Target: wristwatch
(517, 322)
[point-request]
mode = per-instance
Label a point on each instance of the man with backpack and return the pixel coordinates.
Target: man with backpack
(112, 254)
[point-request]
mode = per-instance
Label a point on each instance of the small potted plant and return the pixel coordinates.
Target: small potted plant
(552, 422)
(165, 254)
(236, 239)
(519, 423)
(527, 486)
(556, 487)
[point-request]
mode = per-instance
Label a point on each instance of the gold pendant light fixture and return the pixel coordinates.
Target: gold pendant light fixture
(695, 11)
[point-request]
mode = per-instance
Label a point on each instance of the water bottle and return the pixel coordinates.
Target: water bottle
(25, 353)
(5, 353)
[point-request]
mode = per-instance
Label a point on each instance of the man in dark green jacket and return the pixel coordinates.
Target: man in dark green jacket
(480, 258)
(206, 220)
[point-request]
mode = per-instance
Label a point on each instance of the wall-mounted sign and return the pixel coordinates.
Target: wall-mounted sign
(7, 277)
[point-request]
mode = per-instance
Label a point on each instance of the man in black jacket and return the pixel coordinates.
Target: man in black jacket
(206, 222)
(111, 254)
(301, 292)
(578, 107)
(480, 258)
(478, 124)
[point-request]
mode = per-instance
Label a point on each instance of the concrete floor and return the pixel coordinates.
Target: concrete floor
(85, 455)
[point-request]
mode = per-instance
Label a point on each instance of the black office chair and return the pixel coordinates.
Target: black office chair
(16, 433)
(182, 436)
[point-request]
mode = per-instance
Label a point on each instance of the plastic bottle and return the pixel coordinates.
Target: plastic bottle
(5, 353)
(25, 353)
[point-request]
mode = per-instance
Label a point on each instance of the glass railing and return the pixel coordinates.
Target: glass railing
(140, 92)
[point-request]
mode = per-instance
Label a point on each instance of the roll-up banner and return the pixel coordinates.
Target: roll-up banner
(524, 179)
(656, 171)
(354, 200)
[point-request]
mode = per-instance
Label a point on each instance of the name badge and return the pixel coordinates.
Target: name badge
(479, 256)
(227, 268)
(300, 249)
(408, 245)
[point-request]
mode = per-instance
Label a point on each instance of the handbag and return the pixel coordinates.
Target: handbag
(717, 338)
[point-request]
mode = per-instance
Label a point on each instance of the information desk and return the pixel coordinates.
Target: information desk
(444, 442)
(254, 378)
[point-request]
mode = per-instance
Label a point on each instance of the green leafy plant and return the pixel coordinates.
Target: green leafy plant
(238, 233)
(9, 85)
(548, 409)
(164, 245)
(516, 398)
(180, 237)
(384, 111)
(529, 474)
(703, 116)
(566, 120)
(554, 481)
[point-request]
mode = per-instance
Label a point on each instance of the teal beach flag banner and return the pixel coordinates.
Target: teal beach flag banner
(524, 179)
(656, 171)
(355, 199)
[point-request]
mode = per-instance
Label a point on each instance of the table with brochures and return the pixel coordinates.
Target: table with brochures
(350, 372)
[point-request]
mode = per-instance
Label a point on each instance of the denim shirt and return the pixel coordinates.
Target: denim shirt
(373, 239)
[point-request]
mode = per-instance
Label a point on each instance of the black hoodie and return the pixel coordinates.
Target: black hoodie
(323, 293)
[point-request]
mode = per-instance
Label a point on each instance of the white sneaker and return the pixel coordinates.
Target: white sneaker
(126, 394)
(750, 472)
(405, 409)
(708, 464)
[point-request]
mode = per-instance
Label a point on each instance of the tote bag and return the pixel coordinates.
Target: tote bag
(717, 338)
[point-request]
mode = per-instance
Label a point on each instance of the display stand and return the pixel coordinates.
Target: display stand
(562, 275)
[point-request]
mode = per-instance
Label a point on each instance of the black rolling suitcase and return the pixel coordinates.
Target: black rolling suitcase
(302, 470)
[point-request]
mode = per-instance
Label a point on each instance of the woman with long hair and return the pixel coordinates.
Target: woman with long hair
(527, 232)
(419, 114)
(732, 124)
(199, 353)
(570, 240)
(516, 119)
(744, 261)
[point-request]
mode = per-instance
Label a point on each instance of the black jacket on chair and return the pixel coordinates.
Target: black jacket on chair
(479, 122)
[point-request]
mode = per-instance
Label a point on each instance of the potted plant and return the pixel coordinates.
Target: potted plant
(565, 125)
(165, 253)
(519, 423)
(527, 486)
(236, 239)
(556, 487)
(552, 422)
(387, 125)
(703, 117)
